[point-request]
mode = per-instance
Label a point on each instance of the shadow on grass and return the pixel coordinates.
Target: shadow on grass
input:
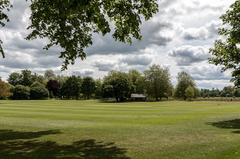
(6, 135)
(228, 124)
(23, 145)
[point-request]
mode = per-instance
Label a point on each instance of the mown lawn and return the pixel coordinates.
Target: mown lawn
(95, 130)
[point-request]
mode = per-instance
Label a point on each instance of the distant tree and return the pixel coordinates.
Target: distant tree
(61, 79)
(38, 91)
(140, 85)
(107, 91)
(49, 75)
(190, 93)
(227, 91)
(38, 78)
(158, 82)
(137, 80)
(184, 81)
(53, 87)
(4, 90)
(204, 93)
(226, 51)
(120, 85)
(71, 88)
(237, 92)
(196, 93)
(88, 87)
(98, 89)
(15, 78)
(27, 78)
(21, 92)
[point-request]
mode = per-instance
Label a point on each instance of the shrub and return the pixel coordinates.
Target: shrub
(21, 92)
(38, 91)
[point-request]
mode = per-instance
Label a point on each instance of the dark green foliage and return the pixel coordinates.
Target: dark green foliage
(137, 80)
(226, 52)
(184, 81)
(227, 91)
(237, 92)
(15, 78)
(53, 87)
(210, 93)
(25, 78)
(117, 85)
(38, 91)
(88, 87)
(21, 92)
(157, 82)
(98, 89)
(70, 24)
(71, 88)
(38, 78)
(107, 91)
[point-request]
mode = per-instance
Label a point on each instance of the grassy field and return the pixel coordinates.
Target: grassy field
(95, 130)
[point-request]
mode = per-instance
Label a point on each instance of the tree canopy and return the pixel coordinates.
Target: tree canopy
(4, 6)
(226, 51)
(118, 85)
(70, 24)
(88, 87)
(185, 81)
(158, 82)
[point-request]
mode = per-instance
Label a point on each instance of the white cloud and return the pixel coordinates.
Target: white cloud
(188, 55)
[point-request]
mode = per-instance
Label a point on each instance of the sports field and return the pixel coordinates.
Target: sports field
(96, 130)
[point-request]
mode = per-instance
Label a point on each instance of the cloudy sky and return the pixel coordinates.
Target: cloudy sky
(178, 37)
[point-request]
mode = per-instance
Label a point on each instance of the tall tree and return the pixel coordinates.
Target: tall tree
(98, 89)
(88, 87)
(226, 51)
(158, 82)
(118, 84)
(137, 80)
(184, 81)
(53, 87)
(71, 88)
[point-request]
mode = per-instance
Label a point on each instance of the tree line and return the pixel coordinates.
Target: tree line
(155, 83)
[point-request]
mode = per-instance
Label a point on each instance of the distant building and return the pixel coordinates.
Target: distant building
(138, 97)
